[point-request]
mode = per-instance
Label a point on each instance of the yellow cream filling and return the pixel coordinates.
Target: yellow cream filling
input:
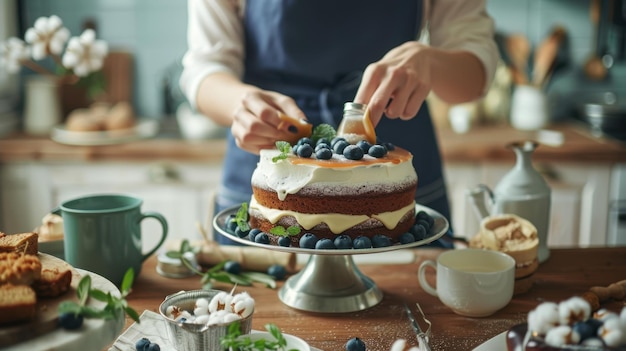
(337, 223)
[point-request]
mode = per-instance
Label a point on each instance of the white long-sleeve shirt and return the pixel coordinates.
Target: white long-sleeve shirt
(216, 40)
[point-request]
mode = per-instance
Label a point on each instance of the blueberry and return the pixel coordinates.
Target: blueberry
(364, 145)
(335, 140)
(585, 330)
(425, 216)
(321, 146)
(377, 151)
(424, 224)
(353, 152)
(325, 244)
(308, 241)
(232, 267)
(389, 146)
(231, 224)
(253, 233)
(407, 238)
(418, 231)
(362, 242)
(294, 149)
(284, 241)
(262, 238)
(380, 240)
(340, 146)
(322, 141)
(305, 140)
(343, 242)
(70, 321)
(277, 271)
(355, 344)
(241, 233)
(324, 154)
(142, 344)
(305, 151)
(153, 347)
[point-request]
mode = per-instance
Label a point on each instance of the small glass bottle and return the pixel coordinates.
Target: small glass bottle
(354, 126)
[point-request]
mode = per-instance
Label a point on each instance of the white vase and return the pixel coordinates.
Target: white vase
(42, 106)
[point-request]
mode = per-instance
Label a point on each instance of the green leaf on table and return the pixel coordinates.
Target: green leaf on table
(266, 279)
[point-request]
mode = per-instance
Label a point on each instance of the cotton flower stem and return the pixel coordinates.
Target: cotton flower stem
(37, 68)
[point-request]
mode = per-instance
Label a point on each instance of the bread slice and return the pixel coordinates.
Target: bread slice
(18, 269)
(17, 303)
(56, 277)
(26, 243)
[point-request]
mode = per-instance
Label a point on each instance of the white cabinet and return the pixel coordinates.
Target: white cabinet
(580, 199)
(182, 192)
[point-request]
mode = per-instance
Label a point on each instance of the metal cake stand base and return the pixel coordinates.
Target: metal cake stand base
(331, 282)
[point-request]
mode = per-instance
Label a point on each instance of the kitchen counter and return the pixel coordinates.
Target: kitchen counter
(568, 272)
(481, 144)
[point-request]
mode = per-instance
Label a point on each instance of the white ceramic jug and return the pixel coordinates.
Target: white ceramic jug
(523, 192)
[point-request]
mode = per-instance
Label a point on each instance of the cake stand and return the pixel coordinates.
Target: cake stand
(331, 282)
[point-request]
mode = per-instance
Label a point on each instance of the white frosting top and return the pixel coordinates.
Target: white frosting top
(343, 176)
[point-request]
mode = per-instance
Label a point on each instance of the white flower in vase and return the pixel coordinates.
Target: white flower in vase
(12, 53)
(85, 54)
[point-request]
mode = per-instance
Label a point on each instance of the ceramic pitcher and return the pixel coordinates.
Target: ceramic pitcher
(522, 191)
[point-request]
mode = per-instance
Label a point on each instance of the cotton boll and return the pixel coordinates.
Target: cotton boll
(203, 319)
(543, 318)
(70, 59)
(574, 310)
(398, 345)
(88, 37)
(81, 70)
(53, 23)
(41, 24)
(99, 48)
(31, 35)
(612, 332)
(231, 317)
(561, 335)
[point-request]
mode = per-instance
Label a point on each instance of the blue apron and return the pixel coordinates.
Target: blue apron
(315, 51)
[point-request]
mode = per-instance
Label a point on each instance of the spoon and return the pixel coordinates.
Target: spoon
(518, 47)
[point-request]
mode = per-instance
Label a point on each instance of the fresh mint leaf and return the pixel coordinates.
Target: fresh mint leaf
(323, 131)
(242, 217)
(282, 231)
(284, 148)
(294, 230)
(233, 340)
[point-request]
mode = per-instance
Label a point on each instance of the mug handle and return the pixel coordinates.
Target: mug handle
(421, 276)
(163, 222)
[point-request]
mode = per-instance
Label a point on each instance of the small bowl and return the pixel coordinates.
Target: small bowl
(191, 337)
(293, 342)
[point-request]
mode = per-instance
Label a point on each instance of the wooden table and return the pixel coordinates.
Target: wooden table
(566, 273)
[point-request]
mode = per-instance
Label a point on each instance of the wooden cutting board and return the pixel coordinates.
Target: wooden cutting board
(47, 316)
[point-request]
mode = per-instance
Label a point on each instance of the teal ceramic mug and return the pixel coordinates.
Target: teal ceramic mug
(102, 234)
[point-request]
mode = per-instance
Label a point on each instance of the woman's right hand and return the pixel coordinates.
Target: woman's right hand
(256, 120)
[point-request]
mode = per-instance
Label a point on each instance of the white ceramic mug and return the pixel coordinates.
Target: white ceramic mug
(529, 108)
(471, 282)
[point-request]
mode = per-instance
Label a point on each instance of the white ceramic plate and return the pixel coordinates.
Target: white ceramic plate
(497, 343)
(145, 128)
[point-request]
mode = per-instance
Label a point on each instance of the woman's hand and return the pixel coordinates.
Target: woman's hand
(256, 120)
(398, 84)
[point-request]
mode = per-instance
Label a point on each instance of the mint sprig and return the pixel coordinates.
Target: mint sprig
(284, 148)
(233, 340)
(323, 131)
(242, 217)
(289, 231)
(114, 305)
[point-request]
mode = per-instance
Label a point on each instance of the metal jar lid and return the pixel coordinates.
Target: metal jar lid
(354, 108)
(172, 267)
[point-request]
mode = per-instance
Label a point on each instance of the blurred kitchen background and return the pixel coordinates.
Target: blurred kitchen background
(585, 83)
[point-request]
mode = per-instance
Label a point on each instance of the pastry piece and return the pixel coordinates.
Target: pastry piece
(516, 237)
(121, 116)
(51, 228)
(24, 243)
(17, 303)
(19, 269)
(56, 277)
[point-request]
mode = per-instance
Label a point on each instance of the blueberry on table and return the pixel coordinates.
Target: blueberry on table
(319, 146)
(70, 321)
(277, 271)
(142, 344)
(425, 216)
(325, 244)
(232, 267)
(153, 347)
(322, 141)
(241, 233)
(335, 140)
(362, 242)
(355, 344)
(424, 224)
(343, 242)
(308, 241)
(418, 231)
(284, 241)
(339, 146)
(305, 140)
(380, 240)
(364, 145)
